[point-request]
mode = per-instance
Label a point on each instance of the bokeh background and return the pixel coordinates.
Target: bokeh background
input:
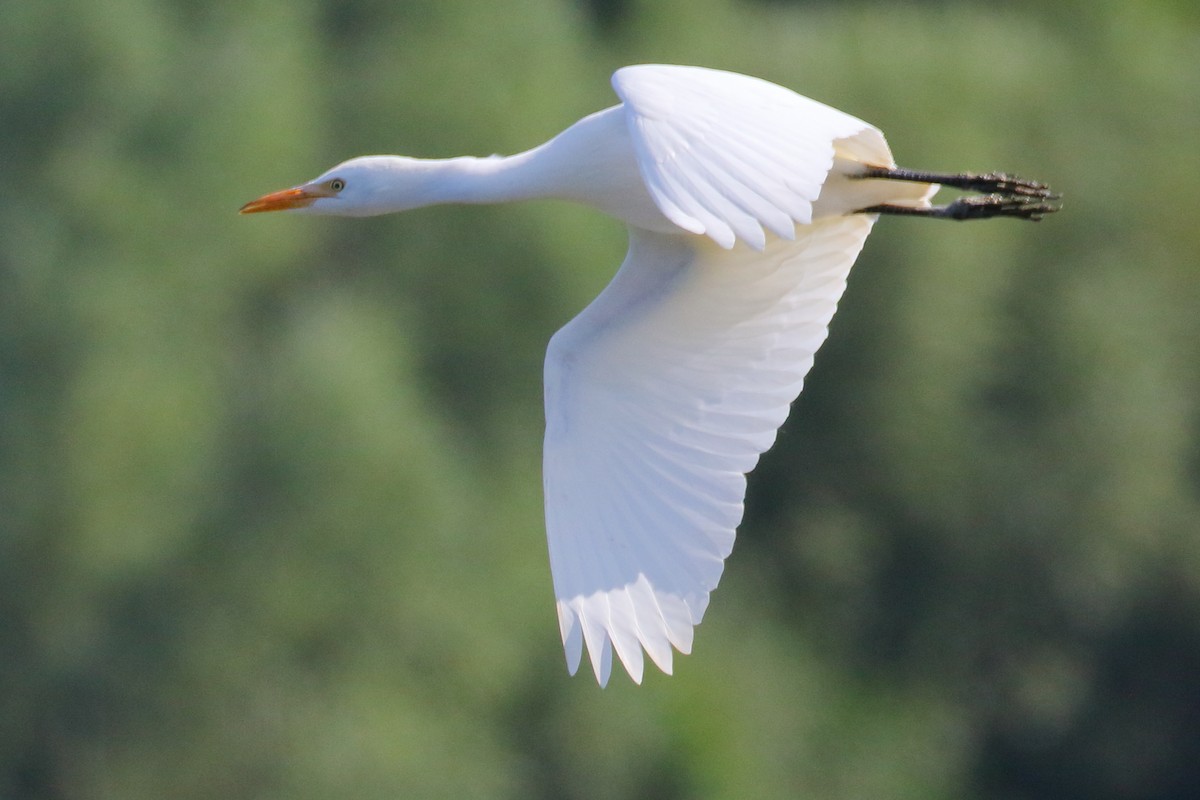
(270, 513)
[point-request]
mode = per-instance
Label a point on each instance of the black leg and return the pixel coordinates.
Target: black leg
(988, 183)
(976, 207)
(1004, 195)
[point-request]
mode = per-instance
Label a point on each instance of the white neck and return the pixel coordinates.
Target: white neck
(592, 162)
(398, 183)
(495, 179)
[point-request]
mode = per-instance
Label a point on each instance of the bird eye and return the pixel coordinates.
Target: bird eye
(337, 184)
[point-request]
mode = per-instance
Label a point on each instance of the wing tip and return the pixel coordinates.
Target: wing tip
(595, 632)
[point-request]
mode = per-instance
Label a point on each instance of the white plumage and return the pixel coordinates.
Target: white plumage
(746, 205)
(660, 396)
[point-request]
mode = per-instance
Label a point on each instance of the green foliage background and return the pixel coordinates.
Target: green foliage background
(270, 517)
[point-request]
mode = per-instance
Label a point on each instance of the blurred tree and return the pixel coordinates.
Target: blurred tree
(269, 493)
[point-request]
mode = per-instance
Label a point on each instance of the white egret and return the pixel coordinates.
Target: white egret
(746, 205)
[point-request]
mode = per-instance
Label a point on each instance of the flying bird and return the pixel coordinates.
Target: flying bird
(746, 204)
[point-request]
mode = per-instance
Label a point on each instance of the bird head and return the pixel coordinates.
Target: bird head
(360, 187)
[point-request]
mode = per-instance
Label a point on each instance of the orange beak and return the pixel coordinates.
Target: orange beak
(297, 197)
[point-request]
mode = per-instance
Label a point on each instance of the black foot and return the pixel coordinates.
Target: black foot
(977, 207)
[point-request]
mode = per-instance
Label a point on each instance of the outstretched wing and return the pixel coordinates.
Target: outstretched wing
(727, 155)
(660, 397)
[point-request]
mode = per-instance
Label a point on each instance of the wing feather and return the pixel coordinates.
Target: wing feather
(731, 156)
(660, 396)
